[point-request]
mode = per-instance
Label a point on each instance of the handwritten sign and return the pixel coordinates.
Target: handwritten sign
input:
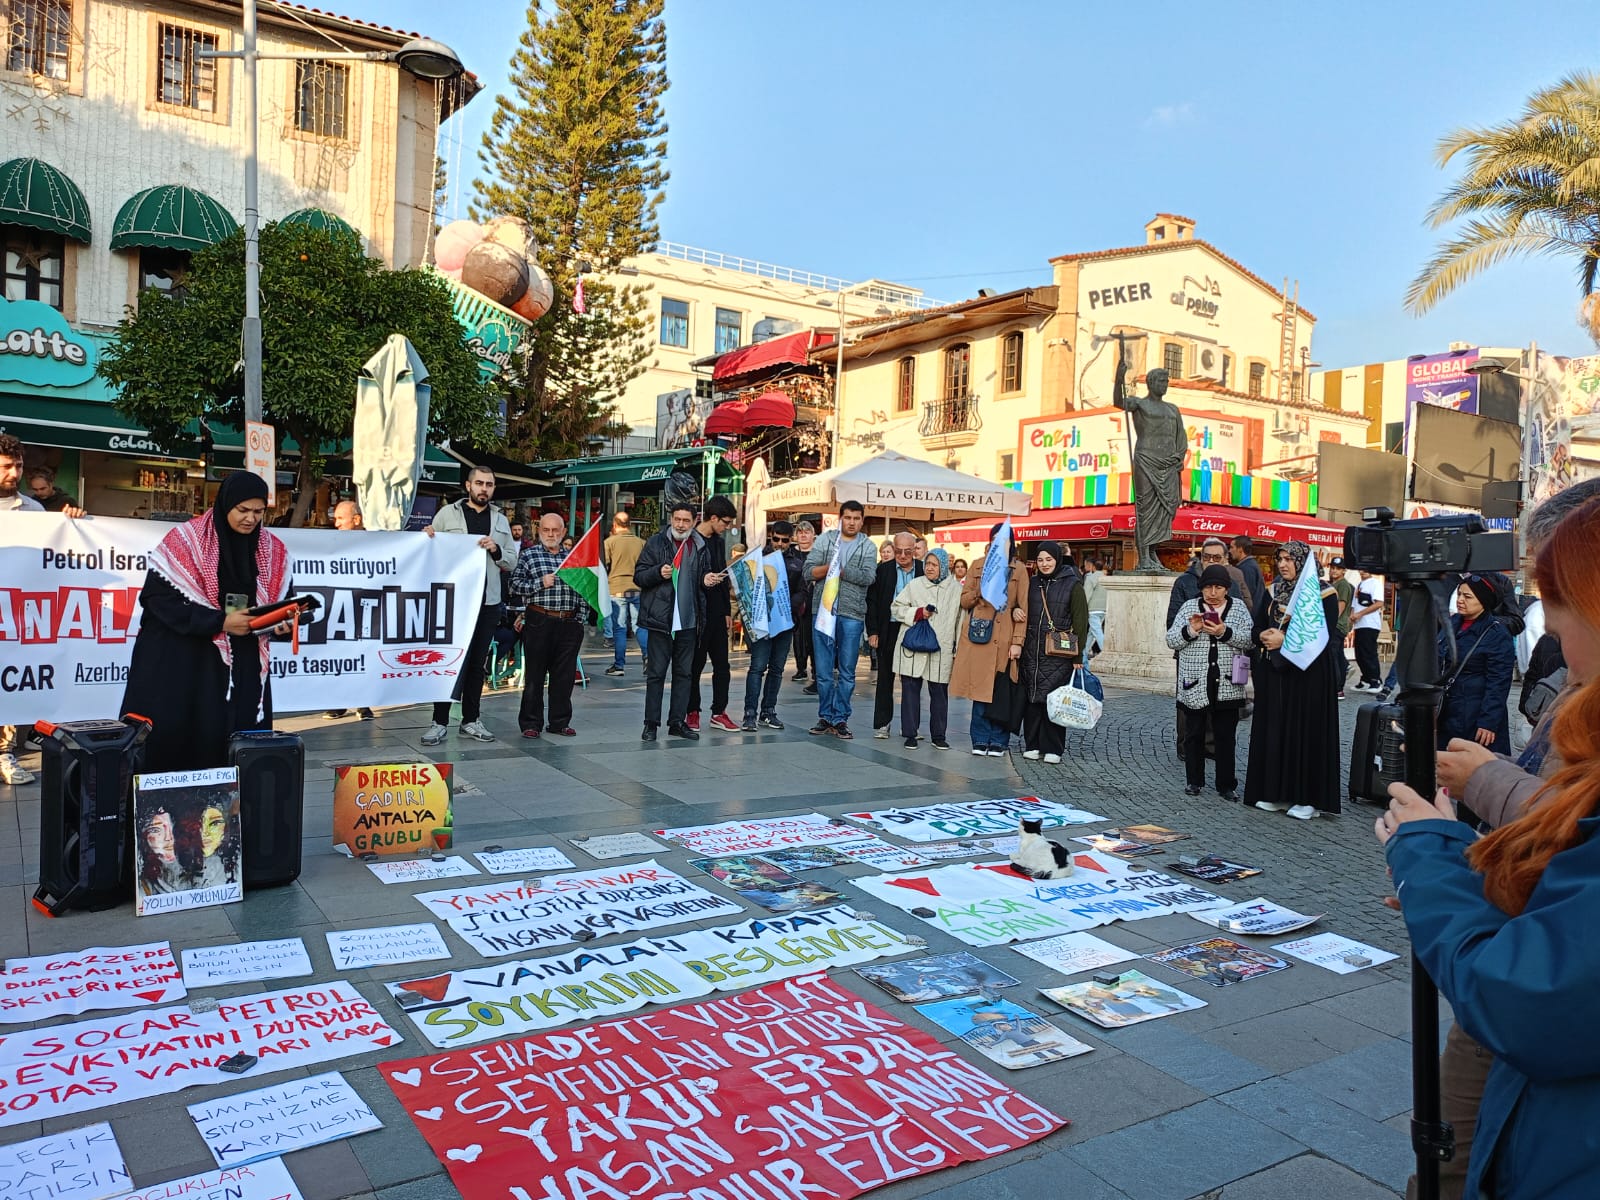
(267, 1180)
(76, 1164)
(51, 985)
(1260, 917)
(746, 837)
(532, 859)
(385, 945)
(188, 850)
(525, 916)
(250, 1126)
(419, 870)
(65, 1069)
(460, 1007)
(989, 905)
(875, 852)
(974, 819)
(392, 808)
(716, 1103)
(245, 962)
(1336, 953)
(616, 845)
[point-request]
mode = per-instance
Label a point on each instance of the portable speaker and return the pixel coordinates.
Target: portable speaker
(85, 813)
(271, 804)
(1376, 757)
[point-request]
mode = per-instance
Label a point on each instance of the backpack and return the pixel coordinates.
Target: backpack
(1507, 606)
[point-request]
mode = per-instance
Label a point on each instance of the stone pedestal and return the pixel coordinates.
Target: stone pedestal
(1136, 654)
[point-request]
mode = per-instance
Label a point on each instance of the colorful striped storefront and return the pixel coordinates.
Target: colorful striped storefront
(1202, 487)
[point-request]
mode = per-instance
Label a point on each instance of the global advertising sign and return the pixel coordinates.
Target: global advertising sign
(1442, 380)
(1096, 443)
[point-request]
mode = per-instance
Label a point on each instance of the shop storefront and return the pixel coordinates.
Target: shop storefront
(598, 487)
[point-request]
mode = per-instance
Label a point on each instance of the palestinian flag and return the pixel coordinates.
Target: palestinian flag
(583, 571)
(678, 561)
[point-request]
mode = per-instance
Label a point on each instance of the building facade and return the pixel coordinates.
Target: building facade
(123, 146)
(703, 304)
(1383, 392)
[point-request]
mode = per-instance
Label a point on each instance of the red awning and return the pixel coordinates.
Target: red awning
(1193, 520)
(790, 350)
(727, 418)
(769, 410)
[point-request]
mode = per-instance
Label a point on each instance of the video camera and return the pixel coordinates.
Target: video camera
(1426, 548)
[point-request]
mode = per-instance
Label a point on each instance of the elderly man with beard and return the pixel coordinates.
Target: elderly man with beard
(552, 632)
(671, 608)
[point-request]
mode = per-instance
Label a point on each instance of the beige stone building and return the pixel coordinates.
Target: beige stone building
(703, 303)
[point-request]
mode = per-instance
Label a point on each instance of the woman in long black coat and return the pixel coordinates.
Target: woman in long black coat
(1055, 601)
(1480, 682)
(198, 673)
(1294, 737)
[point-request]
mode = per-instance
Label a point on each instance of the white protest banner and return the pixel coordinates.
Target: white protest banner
(987, 904)
(524, 916)
(529, 859)
(65, 1069)
(76, 1164)
(245, 962)
(712, 1099)
(385, 945)
(247, 1127)
(616, 845)
(875, 852)
(1074, 952)
(1333, 952)
(517, 997)
(51, 985)
(745, 837)
(265, 1180)
(397, 613)
(972, 819)
(1260, 917)
(419, 870)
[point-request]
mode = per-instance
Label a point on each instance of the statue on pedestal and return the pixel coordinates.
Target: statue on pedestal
(1159, 444)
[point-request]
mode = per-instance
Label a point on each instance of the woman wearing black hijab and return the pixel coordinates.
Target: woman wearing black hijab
(198, 673)
(1479, 683)
(1056, 604)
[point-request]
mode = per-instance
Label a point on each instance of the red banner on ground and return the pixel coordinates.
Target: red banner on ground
(798, 1089)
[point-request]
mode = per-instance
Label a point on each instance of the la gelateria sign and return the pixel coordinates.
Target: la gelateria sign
(39, 348)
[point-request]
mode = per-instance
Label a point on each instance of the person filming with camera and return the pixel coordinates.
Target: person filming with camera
(1504, 923)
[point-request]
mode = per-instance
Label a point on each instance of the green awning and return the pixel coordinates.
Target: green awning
(321, 218)
(650, 466)
(171, 217)
(35, 194)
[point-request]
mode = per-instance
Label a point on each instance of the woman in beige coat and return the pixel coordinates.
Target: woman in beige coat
(935, 597)
(977, 665)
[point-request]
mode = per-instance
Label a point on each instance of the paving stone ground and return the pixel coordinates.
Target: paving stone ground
(1294, 1084)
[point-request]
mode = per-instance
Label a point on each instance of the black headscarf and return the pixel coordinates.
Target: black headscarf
(236, 552)
(1053, 549)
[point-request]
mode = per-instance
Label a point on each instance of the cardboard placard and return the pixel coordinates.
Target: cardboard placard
(53, 985)
(245, 962)
(64, 1069)
(972, 819)
(75, 1164)
(265, 1180)
(188, 851)
(716, 1096)
(420, 870)
(385, 945)
(247, 1127)
(393, 808)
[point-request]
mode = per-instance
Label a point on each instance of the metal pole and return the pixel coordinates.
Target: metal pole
(252, 242)
(838, 386)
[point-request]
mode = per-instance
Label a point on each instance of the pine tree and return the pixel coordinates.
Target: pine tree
(577, 151)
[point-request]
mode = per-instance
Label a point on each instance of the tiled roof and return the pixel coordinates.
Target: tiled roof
(1212, 387)
(1176, 217)
(922, 313)
(325, 15)
(1162, 247)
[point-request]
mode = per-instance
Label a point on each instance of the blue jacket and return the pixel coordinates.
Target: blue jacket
(1525, 988)
(1477, 700)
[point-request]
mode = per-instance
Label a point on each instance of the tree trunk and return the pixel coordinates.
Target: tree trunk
(305, 484)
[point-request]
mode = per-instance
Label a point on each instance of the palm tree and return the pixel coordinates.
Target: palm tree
(1531, 186)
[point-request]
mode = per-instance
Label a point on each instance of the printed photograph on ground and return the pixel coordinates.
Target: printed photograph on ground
(1219, 961)
(1006, 1033)
(937, 977)
(1135, 997)
(187, 845)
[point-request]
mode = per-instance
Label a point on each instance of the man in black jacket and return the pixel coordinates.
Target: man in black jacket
(717, 616)
(672, 609)
(1242, 554)
(882, 633)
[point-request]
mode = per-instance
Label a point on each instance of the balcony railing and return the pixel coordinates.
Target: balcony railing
(954, 416)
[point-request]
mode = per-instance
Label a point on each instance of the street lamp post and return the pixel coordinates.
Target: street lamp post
(421, 57)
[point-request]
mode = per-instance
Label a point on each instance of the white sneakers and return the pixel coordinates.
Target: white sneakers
(477, 731)
(1052, 758)
(435, 735)
(472, 729)
(881, 734)
(1269, 806)
(1302, 812)
(978, 752)
(996, 752)
(1031, 755)
(13, 772)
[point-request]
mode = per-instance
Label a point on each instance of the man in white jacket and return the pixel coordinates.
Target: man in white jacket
(474, 513)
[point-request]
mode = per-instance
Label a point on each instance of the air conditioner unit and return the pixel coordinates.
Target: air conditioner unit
(1208, 362)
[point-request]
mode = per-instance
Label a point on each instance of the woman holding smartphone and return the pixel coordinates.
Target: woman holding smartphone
(1210, 633)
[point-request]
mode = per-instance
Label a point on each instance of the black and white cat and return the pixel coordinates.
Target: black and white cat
(1036, 856)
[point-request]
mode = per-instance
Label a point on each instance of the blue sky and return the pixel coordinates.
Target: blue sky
(956, 145)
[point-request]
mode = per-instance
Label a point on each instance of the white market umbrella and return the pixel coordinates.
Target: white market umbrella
(756, 482)
(897, 486)
(390, 434)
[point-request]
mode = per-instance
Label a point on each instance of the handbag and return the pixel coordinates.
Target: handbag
(1058, 643)
(1072, 707)
(1241, 669)
(920, 639)
(980, 630)
(1010, 701)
